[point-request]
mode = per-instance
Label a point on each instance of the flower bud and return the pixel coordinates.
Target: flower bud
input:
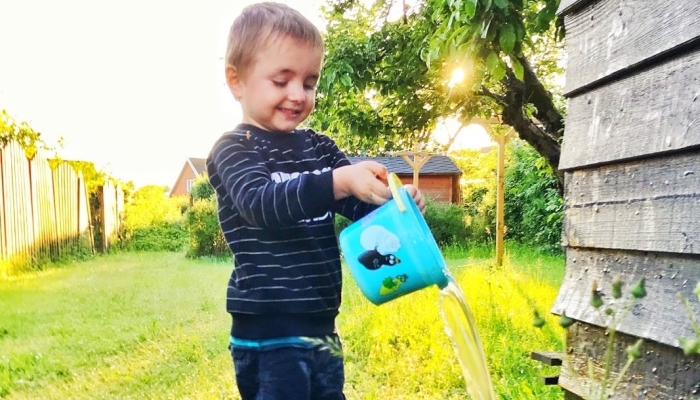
(537, 321)
(617, 287)
(635, 351)
(565, 321)
(638, 291)
(596, 299)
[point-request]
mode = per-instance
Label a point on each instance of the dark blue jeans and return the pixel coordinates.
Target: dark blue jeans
(289, 373)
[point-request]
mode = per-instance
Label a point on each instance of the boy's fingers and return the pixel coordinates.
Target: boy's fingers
(378, 170)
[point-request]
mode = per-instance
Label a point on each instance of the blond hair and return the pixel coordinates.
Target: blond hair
(261, 22)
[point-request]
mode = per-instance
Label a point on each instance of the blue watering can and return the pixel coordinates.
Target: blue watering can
(391, 251)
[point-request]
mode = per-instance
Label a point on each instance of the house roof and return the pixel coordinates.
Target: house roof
(436, 165)
(199, 165)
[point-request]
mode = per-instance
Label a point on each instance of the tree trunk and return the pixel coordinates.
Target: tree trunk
(544, 131)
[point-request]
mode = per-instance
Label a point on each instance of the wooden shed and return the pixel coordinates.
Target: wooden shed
(631, 156)
(439, 176)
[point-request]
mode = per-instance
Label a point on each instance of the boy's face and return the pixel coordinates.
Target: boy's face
(277, 92)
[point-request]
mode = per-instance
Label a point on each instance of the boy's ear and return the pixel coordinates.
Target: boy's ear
(233, 80)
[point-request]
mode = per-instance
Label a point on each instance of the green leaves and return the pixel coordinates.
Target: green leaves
(507, 38)
(501, 3)
(690, 345)
(345, 80)
(491, 62)
(518, 70)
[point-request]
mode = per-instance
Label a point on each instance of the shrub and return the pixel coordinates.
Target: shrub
(153, 221)
(341, 223)
(161, 236)
(206, 238)
(447, 223)
(202, 189)
(150, 205)
(534, 210)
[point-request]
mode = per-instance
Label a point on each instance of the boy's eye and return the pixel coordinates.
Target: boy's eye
(310, 87)
(279, 83)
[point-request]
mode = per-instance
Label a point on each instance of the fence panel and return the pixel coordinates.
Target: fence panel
(44, 212)
(17, 199)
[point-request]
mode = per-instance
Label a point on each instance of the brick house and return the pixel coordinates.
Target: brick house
(439, 177)
(190, 171)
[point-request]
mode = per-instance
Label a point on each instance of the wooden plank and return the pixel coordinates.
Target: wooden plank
(611, 38)
(651, 205)
(547, 357)
(569, 6)
(660, 316)
(662, 373)
(17, 202)
(653, 112)
(3, 234)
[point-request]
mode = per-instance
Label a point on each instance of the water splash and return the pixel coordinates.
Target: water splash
(461, 329)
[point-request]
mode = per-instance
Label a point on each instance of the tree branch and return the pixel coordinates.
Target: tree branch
(543, 138)
(498, 99)
(541, 98)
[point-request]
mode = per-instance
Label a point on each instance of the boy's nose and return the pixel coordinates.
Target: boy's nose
(296, 93)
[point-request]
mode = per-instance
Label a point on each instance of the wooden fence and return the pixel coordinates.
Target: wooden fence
(45, 213)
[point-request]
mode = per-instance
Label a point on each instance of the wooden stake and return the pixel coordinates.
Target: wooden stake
(500, 196)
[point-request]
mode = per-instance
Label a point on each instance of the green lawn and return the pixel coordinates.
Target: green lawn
(153, 326)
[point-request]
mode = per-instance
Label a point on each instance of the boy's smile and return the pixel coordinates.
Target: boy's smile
(277, 92)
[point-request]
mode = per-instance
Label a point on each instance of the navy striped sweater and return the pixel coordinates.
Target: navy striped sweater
(276, 209)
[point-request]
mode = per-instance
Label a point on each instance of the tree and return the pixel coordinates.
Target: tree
(387, 84)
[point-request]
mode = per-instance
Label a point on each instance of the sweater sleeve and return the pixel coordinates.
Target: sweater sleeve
(241, 178)
(350, 207)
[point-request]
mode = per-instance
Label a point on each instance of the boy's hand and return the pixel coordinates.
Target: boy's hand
(365, 180)
(417, 197)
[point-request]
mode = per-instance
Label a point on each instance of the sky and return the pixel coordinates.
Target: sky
(135, 86)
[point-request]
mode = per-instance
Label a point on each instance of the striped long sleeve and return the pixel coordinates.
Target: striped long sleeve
(276, 209)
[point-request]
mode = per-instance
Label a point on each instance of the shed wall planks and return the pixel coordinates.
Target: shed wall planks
(660, 316)
(662, 373)
(652, 112)
(609, 36)
(651, 205)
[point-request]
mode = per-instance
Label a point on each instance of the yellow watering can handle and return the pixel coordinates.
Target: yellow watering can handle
(394, 185)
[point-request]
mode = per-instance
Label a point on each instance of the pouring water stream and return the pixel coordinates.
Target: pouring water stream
(461, 329)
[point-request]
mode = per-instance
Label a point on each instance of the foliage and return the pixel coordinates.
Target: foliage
(611, 315)
(534, 211)
(161, 236)
(151, 325)
(206, 238)
(479, 175)
(23, 134)
(202, 189)
(150, 205)
(447, 223)
(387, 84)
(445, 220)
(152, 220)
(691, 345)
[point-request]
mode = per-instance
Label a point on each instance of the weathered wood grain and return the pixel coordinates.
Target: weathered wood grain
(660, 316)
(651, 205)
(568, 6)
(662, 373)
(652, 112)
(611, 37)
